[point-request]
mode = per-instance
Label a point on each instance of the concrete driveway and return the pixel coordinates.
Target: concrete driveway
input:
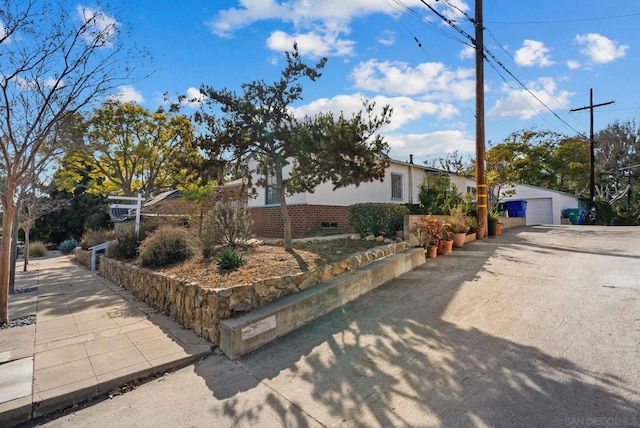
(538, 327)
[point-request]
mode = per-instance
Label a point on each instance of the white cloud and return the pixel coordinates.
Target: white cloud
(387, 38)
(435, 143)
(467, 52)
(431, 80)
(127, 94)
(405, 109)
(309, 18)
(573, 64)
(533, 53)
(101, 28)
(194, 98)
(312, 43)
(521, 104)
(4, 33)
(600, 49)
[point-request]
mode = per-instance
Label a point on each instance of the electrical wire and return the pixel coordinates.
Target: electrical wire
(563, 21)
(488, 54)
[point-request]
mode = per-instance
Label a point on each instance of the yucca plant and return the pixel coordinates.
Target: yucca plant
(228, 259)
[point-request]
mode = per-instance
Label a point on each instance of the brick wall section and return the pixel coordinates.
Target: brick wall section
(306, 220)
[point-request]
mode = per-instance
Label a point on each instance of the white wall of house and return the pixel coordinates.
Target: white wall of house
(400, 185)
(544, 206)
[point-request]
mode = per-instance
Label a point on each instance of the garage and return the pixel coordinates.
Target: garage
(539, 211)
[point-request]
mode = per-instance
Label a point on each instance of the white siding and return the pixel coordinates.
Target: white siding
(375, 191)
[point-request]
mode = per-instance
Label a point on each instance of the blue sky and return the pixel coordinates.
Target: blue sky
(400, 53)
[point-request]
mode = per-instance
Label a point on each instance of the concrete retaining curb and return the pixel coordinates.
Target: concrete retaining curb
(239, 336)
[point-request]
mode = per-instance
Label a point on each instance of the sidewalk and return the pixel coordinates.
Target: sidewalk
(89, 338)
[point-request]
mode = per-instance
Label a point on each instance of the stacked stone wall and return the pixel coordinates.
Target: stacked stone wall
(201, 308)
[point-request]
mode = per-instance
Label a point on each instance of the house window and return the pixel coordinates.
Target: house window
(471, 189)
(273, 197)
(396, 187)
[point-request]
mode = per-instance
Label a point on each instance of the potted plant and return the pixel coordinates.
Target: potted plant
(428, 233)
(459, 227)
(446, 238)
(492, 222)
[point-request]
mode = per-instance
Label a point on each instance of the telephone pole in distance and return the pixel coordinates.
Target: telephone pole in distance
(592, 160)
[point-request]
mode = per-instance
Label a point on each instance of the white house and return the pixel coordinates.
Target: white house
(328, 208)
(544, 206)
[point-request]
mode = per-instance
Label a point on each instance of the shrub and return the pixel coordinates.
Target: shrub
(228, 222)
(37, 249)
(437, 194)
(165, 246)
(96, 237)
(125, 248)
(68, 246)
(377, 218)
(228, 259)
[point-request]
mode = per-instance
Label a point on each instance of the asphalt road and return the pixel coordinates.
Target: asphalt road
(539, 327)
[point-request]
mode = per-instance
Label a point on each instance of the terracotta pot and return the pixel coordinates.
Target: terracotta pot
(499, 229)
(480, 232)
(458, 239)
(445, 247)
(432, 252)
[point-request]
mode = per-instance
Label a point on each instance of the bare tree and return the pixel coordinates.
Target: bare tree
(54, 63)
(33, 205)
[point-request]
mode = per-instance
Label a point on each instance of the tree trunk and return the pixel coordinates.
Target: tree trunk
(5, 253)
(286, 220)
(26, 248)
(14, 255)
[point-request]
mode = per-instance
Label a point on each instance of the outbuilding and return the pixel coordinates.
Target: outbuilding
(544, 206)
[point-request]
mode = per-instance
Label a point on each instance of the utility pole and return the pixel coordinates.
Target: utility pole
(481, 176)
(592, 156)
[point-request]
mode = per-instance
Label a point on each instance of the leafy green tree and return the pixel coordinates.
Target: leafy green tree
(80, 212)
(570, 163)
(129, 149)
(260, 123)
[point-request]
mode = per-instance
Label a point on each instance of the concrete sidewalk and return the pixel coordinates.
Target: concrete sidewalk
(89, 338)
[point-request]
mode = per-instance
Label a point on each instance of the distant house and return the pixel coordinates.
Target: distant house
(544, 206)
(327, 209)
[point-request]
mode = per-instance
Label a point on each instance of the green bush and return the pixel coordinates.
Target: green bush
(37, 249)
(228, 259)
(125, 248)
(96, 237)
(377, 218)
(165, 246)
(68, 246)
(438, 195)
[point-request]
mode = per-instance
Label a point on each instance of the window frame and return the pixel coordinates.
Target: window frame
(397, 187)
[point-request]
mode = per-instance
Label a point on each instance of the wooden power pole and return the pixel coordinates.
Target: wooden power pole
(592, 156)
(481, 176)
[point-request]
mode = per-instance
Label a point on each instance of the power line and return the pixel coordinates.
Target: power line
(563, 21)
(489, 54)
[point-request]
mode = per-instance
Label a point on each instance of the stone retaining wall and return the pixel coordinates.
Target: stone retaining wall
(201, 309)
(83, 257)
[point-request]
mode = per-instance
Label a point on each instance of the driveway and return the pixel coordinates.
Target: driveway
(538, 327)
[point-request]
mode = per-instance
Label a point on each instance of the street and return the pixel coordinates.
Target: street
(537, 327)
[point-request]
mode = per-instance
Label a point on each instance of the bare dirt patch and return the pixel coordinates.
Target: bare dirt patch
(269, 260)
